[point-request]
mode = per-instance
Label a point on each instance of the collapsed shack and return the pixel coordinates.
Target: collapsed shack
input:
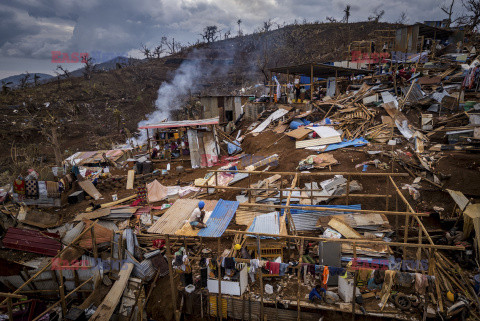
(315, 75)
(196, 138)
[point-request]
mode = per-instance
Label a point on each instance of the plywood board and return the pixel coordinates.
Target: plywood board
(93, 215)
(318, 142)
(130, 179)
(280, 128)
(105, 311)
(299, 133)
(91, 190)
(344, 229)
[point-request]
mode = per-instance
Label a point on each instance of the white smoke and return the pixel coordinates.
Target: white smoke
(171, 95)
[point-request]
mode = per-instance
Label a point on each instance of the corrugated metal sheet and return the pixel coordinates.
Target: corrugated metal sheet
(144, 270)
(108, 224)
(246, 217)
(32, 241)
(174, 217)
(266, 223)
(305, 220)
(183, 123)
(238, 177)
(220, 218)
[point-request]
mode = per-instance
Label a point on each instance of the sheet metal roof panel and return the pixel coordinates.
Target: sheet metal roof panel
(183, 123)
(32, 241)
(306, 220)
(220, 218)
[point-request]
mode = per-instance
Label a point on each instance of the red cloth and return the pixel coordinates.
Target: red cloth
(273, 267)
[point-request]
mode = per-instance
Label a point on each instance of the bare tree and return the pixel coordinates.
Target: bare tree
(49, 129)
(347, 13)
(448, 10)
(239, 22)
(471, 20)
(403, 19)
(5, 87)
(210, 33)
(24, 80)
(267, 25)
(376, 15)
(146, 51)
(65, 72)
(331, 19)
(172, 46)
(89, 67)
(35, 79)
(158, 51)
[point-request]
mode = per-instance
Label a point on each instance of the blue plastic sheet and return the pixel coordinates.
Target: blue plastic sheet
(347, 143)
(232, 148)
(299, 122)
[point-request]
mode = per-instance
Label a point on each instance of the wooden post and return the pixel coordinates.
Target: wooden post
(10, 309)
(249, 186)
(148, 145)
(281, 190)
(311, 82)
(62, 293)
(219, 269)
(299, 270)
(387, 188)
(311, 192)
(170, 272)
(419, 251)
(355, 274)
(348, 189)
(94, 243)
(259, 251)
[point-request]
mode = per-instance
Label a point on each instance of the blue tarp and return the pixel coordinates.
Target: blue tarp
(232, 148)
(221, 216)
(346, 143)
(294, 124)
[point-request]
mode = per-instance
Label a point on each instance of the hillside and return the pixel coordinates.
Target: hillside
(90, 113)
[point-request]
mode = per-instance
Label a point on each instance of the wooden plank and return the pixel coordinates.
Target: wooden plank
(130, 179)
(344, 229)
(92, 215)
(105, 311)
(318, 142)
(299, 133)
(91, 190)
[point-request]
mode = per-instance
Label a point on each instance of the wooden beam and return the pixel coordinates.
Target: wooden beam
(357, 241)
(326, 208)
(105, 311)
(412, 210)
(170, 272)
(353, 174)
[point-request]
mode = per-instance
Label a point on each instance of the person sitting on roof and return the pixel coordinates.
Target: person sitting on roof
(198, 214)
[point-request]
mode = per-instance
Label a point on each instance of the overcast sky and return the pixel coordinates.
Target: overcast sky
(31, 29)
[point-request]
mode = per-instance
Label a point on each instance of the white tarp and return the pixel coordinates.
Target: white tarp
(277, 114)
(325, 131)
